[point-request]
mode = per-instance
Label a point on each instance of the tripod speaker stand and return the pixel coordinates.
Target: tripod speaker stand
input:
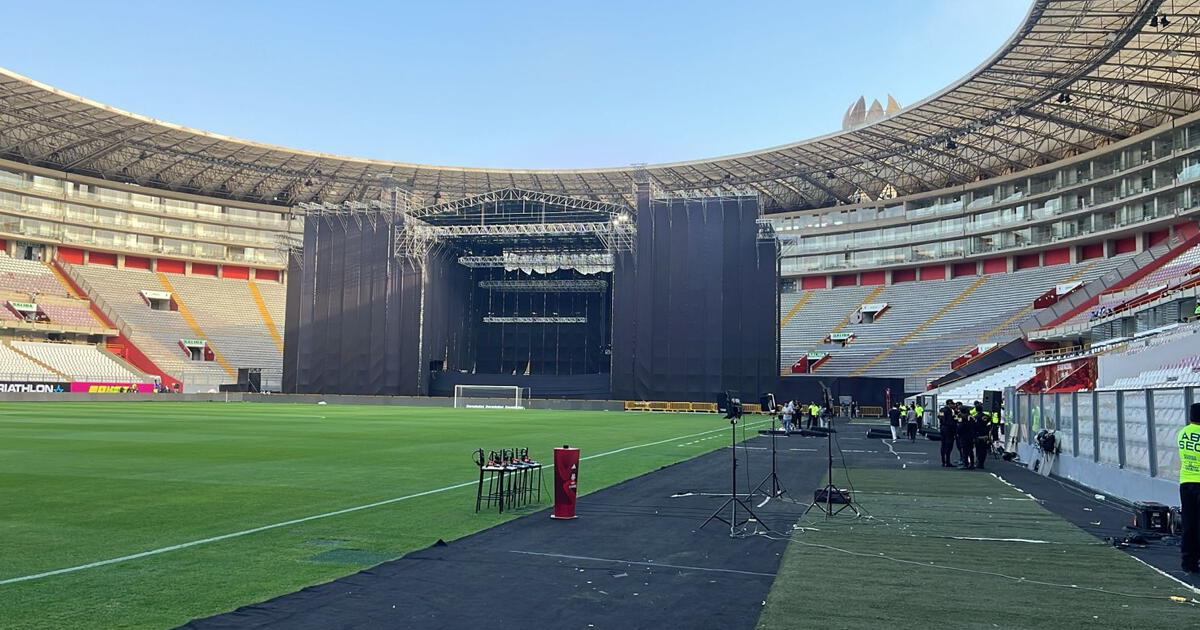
(733, 503)
(825, 499)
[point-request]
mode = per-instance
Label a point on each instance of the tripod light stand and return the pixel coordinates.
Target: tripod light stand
(733, 503)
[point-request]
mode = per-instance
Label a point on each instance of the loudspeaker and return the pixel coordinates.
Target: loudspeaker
(250, 379)
(766, 402)
(839, 495)
(1151, 516)
(992, 400)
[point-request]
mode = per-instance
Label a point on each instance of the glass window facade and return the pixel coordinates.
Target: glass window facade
(142, 222)
(1145, 180)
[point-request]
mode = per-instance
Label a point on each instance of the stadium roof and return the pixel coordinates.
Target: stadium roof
(1077, 74)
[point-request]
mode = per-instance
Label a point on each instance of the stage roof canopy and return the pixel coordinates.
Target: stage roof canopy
(1077, 74)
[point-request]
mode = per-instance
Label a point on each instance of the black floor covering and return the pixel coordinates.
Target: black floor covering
(635, 557)
(1103, 518)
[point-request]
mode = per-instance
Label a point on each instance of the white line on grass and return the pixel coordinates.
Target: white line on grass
(296, 521)
(1167, 575)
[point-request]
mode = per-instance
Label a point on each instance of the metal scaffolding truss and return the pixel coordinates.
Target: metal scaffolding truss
(394, 202)
(581, 285)
(291, 246)
(563, 204)
(766, 229)
(1075, 75)
(585, 262)
(546, 319)
(415, 236)
(554, 221)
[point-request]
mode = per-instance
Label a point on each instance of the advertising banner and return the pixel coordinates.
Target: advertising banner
(20, 387)
(86, 387)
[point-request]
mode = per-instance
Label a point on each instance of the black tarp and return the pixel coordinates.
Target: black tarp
(694, 310)
(353, 318)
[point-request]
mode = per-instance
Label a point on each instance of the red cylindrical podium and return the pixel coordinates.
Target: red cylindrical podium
(566, 478)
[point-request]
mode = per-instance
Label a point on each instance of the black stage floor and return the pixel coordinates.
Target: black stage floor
(635, 557)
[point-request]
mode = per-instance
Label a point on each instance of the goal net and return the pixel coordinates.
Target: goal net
(490, 396)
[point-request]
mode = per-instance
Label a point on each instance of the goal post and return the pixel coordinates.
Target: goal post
(490, 396)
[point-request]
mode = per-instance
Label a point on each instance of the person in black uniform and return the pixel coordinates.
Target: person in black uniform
(983, 434)
(947, 427)
(965, 432)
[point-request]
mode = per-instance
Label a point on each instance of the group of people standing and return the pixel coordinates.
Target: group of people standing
(909, 416)
(796, 415)
(972, 429)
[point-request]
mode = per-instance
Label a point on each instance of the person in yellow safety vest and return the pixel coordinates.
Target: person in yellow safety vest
(920, 415)
(1037, 419)
(814, 414)
(1197, 311)
(1189, 489)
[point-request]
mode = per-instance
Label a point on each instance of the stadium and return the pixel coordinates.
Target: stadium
(237, 378)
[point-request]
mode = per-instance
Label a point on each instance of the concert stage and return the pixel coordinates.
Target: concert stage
(570, 297)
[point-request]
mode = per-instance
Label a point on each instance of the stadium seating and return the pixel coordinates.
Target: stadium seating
(1177, 376)
(225, 311)
(1174, 271)
(1166, 356)
(818, 314)
(155, 333)
(232, 322)
(16, 367)
(28, 276)
(927, 325)
(971, 389)
(79, 362)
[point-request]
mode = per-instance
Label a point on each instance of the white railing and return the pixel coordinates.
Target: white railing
(1117, 433)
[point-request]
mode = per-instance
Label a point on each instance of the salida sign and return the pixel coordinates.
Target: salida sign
(9, 387)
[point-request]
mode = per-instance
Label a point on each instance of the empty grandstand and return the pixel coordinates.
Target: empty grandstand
(1029, 235)
(1068, 152)
(926, 324)
(199, 331)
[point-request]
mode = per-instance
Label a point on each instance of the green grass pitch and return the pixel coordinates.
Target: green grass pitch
(929, 558)
(86, 482)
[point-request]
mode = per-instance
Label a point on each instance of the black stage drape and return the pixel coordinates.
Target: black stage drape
(694, 309)
(353, 319)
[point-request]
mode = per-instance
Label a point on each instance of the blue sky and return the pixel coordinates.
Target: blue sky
(505, 84)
